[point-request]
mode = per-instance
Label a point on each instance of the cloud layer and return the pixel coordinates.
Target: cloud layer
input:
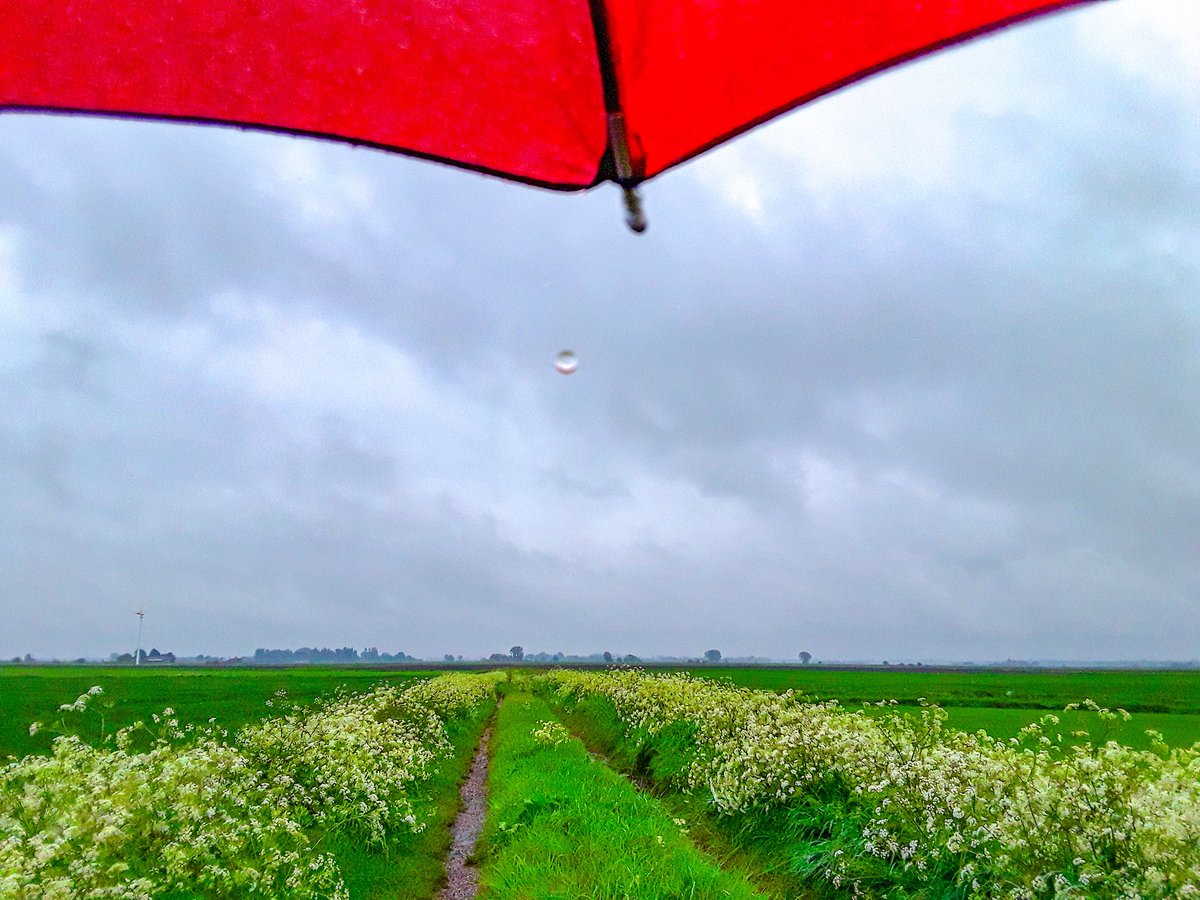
(911, 373)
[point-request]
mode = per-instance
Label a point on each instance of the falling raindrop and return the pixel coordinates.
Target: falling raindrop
(566, 362)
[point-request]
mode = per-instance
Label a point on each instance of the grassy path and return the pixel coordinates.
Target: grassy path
(759, 851)
(563, 825)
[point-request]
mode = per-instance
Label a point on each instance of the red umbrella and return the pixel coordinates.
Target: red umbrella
(563, 94)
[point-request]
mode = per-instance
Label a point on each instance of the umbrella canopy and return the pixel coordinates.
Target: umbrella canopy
(559, 93)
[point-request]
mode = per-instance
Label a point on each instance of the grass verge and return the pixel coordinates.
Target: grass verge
(563, 825)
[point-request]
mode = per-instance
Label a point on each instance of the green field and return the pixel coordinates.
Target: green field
(232, 696)
(1002, 702)
(604, 784)
(999, 702)
(1169, 691)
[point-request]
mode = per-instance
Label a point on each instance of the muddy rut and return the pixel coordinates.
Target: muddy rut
(463, 878)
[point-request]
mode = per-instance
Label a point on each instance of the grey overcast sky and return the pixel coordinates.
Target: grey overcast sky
(911, 373)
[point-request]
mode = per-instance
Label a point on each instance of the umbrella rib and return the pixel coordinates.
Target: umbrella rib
(608, 73)
(616, 164)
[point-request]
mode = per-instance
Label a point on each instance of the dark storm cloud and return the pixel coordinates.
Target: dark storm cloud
(939, 404)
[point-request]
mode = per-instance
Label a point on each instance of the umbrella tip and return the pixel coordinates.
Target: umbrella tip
(635, 218)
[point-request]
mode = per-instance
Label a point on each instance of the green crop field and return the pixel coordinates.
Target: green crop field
(1003, 702)
(1169, 691)
(999, 702)
(232, 696)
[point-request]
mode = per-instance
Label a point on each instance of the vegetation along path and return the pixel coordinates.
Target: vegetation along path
(563, 825)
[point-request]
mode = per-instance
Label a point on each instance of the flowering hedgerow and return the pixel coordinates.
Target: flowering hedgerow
(907, 807)
(205, 815)
(348, 763)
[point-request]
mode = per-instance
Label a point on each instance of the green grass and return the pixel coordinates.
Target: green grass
(1164, 691)
(1177, 730)
(563, 825)
(759, 848)
(233, 696)
(1000, 703)
(412, 866)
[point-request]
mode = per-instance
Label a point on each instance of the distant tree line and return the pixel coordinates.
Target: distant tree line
(325, 654)
(518, 654)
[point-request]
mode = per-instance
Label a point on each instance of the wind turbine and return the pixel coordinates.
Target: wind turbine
(137, 654)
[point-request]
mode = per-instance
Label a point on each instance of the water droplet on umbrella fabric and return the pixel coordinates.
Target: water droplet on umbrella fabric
(566, 362)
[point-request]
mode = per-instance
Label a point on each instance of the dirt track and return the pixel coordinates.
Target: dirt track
(462, 878)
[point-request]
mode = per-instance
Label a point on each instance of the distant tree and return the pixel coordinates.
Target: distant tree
(517, 653)
(449, 657)
(499, 657)
(125, 658)
(712, 656)
(607, 656)
(630, 658)
(805, 656)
